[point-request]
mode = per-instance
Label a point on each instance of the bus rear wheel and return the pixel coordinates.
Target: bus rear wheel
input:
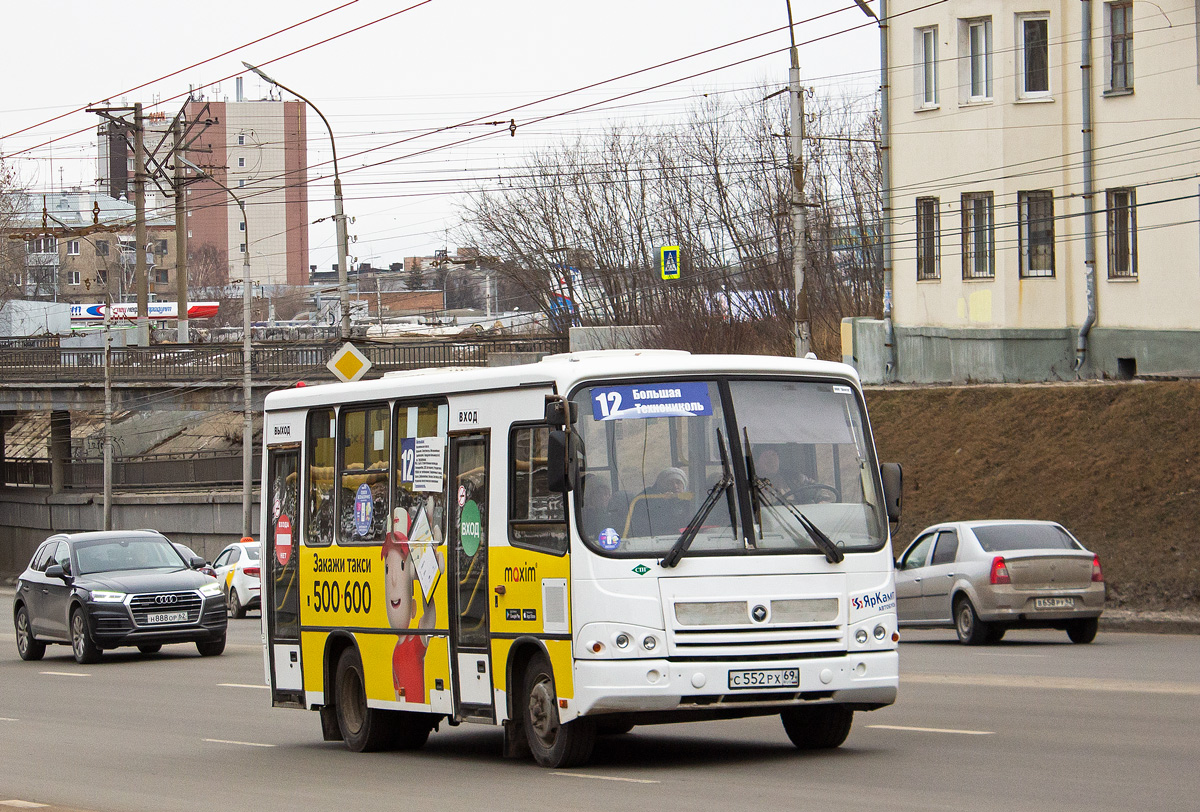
(818, 727)
(553, 743)
(364, 729)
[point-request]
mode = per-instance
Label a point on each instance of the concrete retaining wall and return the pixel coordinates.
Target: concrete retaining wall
(957, 356)
(206, 522)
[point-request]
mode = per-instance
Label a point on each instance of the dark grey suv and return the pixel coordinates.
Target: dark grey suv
(96, 591)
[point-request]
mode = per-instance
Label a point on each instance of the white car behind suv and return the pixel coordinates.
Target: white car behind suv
(238, 569)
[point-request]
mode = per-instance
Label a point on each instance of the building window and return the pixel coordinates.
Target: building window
(1122, 234)
(102, 276)
(241, 182)
(1120, 47)
(73, 248)
(1035, 228)
(42, 245)
(1033, 54)
(102, 248)
(242, 248)
(241, 140)
(72, 277)
(241, 162)
(928, 239)
(978, 240)
(975, 50)
(160, 247)
(160, 276)
(242, 226)
(925, 62)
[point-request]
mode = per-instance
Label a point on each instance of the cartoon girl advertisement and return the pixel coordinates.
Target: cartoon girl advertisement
(411, 559)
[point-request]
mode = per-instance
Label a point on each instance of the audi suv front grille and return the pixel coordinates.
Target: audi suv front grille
(143, 606)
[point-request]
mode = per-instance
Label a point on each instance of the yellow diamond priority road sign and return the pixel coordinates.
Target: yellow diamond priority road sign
(348, 364)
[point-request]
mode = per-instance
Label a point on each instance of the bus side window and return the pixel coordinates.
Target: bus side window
(322, 464)
(364, 475)
(536, 516)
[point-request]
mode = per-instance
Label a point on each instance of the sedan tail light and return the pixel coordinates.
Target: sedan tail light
(1000, 571)
(251, 571)
(1097, 575)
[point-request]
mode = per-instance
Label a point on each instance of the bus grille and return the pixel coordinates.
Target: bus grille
(757, 629)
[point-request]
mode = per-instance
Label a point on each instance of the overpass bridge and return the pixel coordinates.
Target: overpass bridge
(37, 376)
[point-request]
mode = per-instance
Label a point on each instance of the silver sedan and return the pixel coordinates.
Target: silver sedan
(986, 577)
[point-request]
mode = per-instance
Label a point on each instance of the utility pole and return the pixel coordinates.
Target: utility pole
(181, 274)
(108, 411)
(139, 193)
(799, 213)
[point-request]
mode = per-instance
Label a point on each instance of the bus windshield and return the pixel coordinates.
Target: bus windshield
(651, 454)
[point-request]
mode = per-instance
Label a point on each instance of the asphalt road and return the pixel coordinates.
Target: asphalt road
(1034, 723)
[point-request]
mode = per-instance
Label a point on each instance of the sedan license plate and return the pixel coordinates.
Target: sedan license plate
(1053, 603)
(764, 678)
(167, 617)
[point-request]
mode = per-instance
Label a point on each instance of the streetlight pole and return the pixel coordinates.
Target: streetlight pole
(247, 388)
(338, 216)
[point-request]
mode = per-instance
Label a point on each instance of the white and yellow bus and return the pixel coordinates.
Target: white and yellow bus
(577, 546)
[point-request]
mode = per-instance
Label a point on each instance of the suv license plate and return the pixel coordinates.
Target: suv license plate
(167, 617)
(764, 678)
(1053, 603)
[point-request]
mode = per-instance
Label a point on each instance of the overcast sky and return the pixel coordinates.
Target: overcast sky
(438, 64)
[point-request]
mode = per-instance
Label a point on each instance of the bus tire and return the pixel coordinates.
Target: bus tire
(817, 727)
(411, 730)
(553, 743)
(364, 729)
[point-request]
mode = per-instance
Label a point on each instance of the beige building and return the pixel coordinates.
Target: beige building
(996, 273)
(79, 248)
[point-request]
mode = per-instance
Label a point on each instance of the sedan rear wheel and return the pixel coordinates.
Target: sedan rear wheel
(82, 646)
(1083, 631)
(235, 605)
(970, 629)
(27, 646)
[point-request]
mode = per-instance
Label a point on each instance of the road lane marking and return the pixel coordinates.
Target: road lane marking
(22, 804)
(243, 744)
(8, 719)
(1057, 683)
(935, 730)
(63, 674)
(608, 778)
(242, 685)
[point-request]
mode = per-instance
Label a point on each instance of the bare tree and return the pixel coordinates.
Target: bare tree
(579, 227)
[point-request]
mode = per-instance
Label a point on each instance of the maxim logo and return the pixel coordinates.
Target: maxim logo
(520, 575)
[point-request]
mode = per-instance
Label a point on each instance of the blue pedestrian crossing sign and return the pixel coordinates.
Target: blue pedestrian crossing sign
(669, 261)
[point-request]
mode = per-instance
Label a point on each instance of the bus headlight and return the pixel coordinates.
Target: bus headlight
(880, 632)
(649, 643)
(622, 640)
(861, 637)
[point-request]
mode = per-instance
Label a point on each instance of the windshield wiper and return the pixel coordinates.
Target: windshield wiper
(761, 490)
(723, 485)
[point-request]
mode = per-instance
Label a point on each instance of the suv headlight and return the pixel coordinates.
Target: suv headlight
(211, 590)
(100, 596)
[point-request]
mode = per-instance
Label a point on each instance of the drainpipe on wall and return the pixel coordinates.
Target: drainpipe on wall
(885, 165)
(1089, 190)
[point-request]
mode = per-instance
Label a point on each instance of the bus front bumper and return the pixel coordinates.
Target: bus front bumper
(865, 679)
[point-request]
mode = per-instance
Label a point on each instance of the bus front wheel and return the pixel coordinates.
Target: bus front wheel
(364, 729)
(818, 727)
(553, 743)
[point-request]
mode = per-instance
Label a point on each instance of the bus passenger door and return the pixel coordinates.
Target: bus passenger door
(281, 584)
(468, 554)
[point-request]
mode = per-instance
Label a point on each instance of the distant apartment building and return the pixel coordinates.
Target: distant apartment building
(81, 247)
(992, 250)
(258, 149)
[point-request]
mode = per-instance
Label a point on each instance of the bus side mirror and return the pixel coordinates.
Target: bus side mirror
(558, 478)
(560, 411)
(893, 488)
